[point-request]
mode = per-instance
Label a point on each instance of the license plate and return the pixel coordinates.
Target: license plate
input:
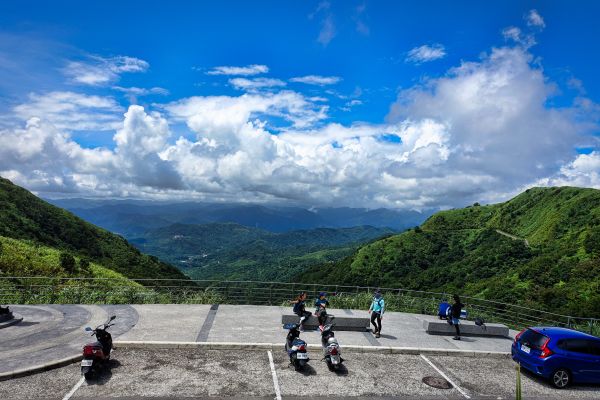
(302, 356)
(335, 360)
(525, 349)
(87, 363)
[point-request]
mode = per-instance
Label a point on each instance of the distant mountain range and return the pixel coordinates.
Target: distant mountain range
(236, 252)
(133, 218)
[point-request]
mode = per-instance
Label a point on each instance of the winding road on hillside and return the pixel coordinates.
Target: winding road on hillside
(513, 237)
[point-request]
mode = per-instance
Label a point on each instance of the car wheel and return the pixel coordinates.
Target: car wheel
(561, 378)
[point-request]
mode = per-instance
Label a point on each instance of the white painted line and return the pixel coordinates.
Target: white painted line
(275, 381)
(445, 377)
(72, 392)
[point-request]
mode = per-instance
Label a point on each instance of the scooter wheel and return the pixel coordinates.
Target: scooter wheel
(89, 376)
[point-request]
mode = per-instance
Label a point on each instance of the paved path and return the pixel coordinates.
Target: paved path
(513, 237)
(54, 332)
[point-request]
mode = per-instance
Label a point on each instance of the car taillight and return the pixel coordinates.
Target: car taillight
(545, 351)
(334, 351)
(519, 335)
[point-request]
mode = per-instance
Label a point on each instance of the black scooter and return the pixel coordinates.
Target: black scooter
(96, 355)
(296, 347)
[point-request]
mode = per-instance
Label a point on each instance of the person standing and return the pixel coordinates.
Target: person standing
(300, 309)
(455, 314)
(376, 310)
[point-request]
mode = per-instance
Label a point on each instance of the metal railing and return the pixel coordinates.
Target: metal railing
(51, 290)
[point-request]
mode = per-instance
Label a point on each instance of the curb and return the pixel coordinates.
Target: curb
(279, 346)
(40, 368)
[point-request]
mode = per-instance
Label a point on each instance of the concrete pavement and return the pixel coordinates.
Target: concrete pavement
(53, 332)
(203, 374)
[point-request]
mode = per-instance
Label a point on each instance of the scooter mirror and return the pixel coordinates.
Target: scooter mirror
(88, 329)
(111, 318)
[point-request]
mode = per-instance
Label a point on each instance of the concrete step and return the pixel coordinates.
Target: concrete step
(340, 323)
(467, 328)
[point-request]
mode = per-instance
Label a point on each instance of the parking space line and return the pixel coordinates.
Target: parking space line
(275, 380)
(445, 377)
(72, 392)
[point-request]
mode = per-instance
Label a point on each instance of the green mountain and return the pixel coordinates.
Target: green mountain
(232, 251)
(540, 249)
(32, 222)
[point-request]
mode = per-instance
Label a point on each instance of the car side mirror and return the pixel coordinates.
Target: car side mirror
(88, 329)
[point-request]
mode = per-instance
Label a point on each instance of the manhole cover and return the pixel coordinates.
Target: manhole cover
(436, 382)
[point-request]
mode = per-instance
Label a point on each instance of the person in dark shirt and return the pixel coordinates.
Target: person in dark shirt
(321, 305)
(455, 315)
(300, 310)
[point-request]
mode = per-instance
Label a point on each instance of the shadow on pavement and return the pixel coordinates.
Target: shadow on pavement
(308, 370)
(106, 374)
(383, 336)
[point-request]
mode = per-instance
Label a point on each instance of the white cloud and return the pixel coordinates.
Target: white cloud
(136, 91)
(478, 133)
(317, 80)
(584, 171)
(98, 70)
(256, 83)
(253, 69)
(327, 32)
(426, 53)
(534, 19)
(71, 111)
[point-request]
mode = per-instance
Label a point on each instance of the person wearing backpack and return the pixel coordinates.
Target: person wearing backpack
(455, 311)
(376, 310)
(300, 310)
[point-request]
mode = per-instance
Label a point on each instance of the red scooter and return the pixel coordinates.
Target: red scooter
(96, 355)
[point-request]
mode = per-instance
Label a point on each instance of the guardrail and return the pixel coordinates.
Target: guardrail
(50, 290)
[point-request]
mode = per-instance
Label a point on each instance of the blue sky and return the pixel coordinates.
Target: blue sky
(374, 63)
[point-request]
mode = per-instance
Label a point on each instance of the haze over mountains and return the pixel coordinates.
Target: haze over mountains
(133, 218)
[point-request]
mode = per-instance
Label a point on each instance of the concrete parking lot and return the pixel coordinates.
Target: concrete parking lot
(197, 373)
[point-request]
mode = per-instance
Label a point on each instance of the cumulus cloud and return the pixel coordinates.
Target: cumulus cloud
(256, 83)
(534, 19)
(477, 133)
(253, 69)
(317, 80)
(426, 53)
(71, 111)
(97, 70)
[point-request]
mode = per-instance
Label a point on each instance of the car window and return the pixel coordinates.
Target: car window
(595, 347)
(579, 346)
(533, 339)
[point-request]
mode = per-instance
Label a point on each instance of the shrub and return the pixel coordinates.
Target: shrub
(67, 262)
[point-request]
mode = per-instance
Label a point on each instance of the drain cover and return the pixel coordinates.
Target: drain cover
(437, 382)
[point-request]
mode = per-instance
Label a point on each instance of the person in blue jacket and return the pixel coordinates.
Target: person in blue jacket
(300, 309)
(376, 310)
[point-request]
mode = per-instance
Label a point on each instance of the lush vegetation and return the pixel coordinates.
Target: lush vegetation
(25, 217)
(236, 252)
(557, 268)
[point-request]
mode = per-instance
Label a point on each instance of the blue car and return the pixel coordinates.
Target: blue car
(561, 355)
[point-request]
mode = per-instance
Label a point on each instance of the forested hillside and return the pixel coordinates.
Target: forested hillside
(553, 261)
(32, 221)
(233, 251)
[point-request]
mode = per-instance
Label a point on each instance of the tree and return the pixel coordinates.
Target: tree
(84, 264)
(67, 262)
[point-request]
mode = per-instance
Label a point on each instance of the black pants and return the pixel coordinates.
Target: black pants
(376, 321)
(303, 316)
